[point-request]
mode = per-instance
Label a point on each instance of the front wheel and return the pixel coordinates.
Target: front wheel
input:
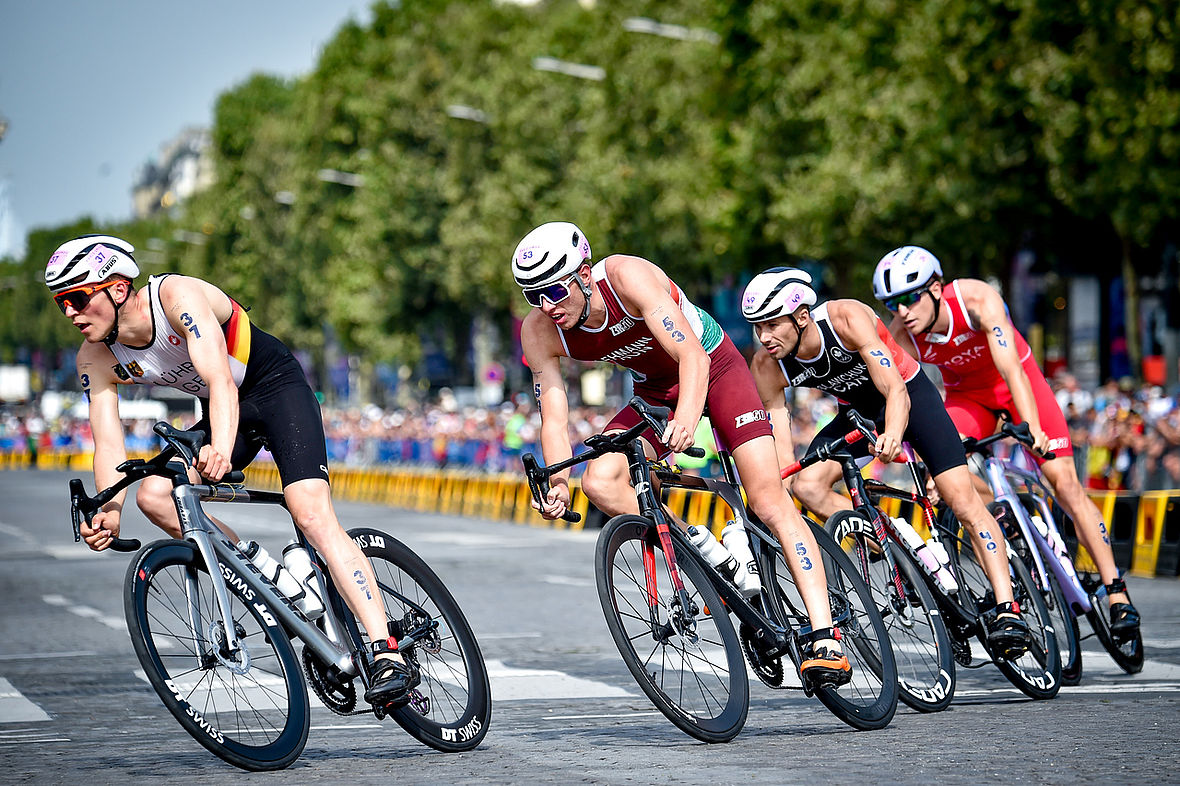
(1037, 672)
(246, 704)
(685, 657)
(452, 707)
(1126, 652)
(870, 699)
(921, 644)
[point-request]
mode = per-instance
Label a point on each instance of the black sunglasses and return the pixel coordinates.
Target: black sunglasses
(907, 300)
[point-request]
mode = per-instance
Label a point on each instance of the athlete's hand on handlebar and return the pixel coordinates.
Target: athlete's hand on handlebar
(556, 502)
(677, 437)
(888, 447)
(211, 463)
(1040, 440)
(101, 531)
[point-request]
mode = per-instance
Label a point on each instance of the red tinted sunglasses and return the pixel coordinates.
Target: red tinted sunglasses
(79, 297)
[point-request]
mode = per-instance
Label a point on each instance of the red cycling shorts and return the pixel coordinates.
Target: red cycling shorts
(734, 406)
(973, 411)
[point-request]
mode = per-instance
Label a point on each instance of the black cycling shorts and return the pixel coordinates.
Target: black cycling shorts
(931, 432)
(278, 410)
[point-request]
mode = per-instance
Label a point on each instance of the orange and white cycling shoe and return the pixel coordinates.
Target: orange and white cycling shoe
(824, 664)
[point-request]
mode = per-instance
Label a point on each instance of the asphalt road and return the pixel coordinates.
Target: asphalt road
(74, 707)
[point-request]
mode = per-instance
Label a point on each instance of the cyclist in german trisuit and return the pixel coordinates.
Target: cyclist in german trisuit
(626, 310)
(185, 333)
(963, 327)
(842, 348)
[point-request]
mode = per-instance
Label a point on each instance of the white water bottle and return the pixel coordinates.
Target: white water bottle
(737, 542)
(928, 553)
(272, 569)
(298, 561)
(945, 577)
(713, 551)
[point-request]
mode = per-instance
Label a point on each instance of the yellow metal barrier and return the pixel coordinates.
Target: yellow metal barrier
(1149, 530)
(506, 497)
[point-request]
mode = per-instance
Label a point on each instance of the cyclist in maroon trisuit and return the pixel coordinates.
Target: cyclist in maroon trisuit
(627, 311)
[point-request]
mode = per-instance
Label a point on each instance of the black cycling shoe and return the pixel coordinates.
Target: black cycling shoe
(1124, 618)
(1007, 634)
(825, 667)
(392, 680)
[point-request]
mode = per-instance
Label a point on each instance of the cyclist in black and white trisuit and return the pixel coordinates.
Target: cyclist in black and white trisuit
(185, 333)
(842, 348)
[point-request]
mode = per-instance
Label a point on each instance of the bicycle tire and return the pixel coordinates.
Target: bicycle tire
(693, 670)
(452, 707)
(1127, 653)
(921, 645)
(869, 700)
(1037, 672)
(256, 720)
(1065, 624)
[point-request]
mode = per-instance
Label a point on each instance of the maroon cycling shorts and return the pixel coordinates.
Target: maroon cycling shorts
(733, 404)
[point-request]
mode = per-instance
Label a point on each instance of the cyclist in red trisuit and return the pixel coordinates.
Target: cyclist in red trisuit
(627, 311)
(963, 327)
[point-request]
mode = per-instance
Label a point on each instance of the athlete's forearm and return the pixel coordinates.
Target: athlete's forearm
(1022, 395)
(555, 447)
(223, 415)
(694, 389)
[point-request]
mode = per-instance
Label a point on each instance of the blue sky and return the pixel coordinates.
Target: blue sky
(91, 90)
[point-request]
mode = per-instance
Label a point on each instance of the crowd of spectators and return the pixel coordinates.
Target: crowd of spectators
(1126, 437)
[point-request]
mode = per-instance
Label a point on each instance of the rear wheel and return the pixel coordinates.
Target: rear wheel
(687, 659)
(247, 704)
(870, 699)
(921, 644)
(451, 709)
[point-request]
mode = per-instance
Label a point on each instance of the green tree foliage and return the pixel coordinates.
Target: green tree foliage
(377, 199)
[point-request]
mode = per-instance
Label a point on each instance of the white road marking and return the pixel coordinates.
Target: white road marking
(568, 581)
(513, 684)
(19, 534)
(114, 623)
(15, 708)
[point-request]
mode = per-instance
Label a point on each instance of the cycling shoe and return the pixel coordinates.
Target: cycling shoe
(1008, 636)
(392, 680)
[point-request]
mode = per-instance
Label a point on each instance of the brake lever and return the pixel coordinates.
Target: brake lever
(539, 485)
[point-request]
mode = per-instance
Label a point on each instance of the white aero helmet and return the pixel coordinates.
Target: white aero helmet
(90, 259)
(904, 270)
(550, 253)
(777, 292)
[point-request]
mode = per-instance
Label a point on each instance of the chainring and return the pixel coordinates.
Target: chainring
(336, 696)
(769, 670)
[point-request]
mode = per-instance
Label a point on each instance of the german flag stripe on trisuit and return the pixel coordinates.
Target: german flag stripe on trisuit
(237, 340)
